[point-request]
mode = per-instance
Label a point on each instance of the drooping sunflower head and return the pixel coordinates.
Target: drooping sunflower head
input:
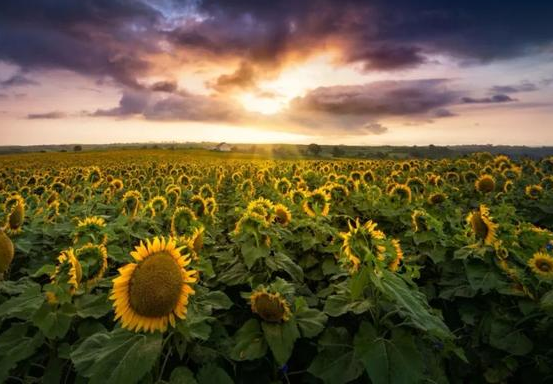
(396, 261)
(416, 184)
(485, 184)
(271, 307)
(482, 226)
(211, 206)
(283, 186)
(131, 202)
(94, 262)
(338, 192)
(250, 223)
(297, 196)
(197, 203)
(317, 203)
(15, 218)
(197, 239)
(419, 220)
(401, 193)
(6, 252)
(91, 229)
(369, 177)
(206, 191)
(68, 270)
(361, 240)
(534, 192)
(437, 198)
(94, 176)
(508, 186)
(183, 221)
(283, 216)
(116, 185)
(542, 265)
(246, 187)
(153, 292)
(158, 203)
(262, 207)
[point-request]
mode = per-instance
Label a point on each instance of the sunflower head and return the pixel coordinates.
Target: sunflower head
(68, 270)
(271, 307)
(482, 226)
(542, 265)
(131, 202)
(90, 230)
(206, 191)
(283, 186)
(317, 203)
(94, 262)
(297, 196)
(197, 203)
(15, 218)
(182, 221)
(158, 203)
(485, 184)
(437, 198)
(400, 193)
(534, 191)
(283, 216)
(419, 221)
(6, 252)
(153, 292)
(361, 240)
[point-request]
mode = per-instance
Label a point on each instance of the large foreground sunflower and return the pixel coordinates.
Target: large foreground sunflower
(153, 292)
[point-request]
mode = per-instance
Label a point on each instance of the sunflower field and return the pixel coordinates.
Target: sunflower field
(166, 266)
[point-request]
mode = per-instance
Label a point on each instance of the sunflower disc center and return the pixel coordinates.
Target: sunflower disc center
(269, 307)
(156, 285)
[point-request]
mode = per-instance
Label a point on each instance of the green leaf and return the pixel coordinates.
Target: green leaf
(24, 305)
(285, 263)
(211, 373)
(119, 356)
(44, 270)
(336, 362)
(483, 277)
(310, 321)
(546, 302)
(505, 337)
(182, 375)
(93, 305)
(412, 304)
(388, 361)
(281, 339)
(252, 253)
(339, 304)
(16, 346)
(54, 321)
(249, 342)
(216, 300)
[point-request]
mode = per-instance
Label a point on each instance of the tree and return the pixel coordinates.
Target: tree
(314, 149)
(77, 148)
(337, 151)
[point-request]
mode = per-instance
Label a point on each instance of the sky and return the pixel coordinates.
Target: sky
(357, 72)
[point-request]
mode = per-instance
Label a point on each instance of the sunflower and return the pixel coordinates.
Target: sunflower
(358, 241)
(482, 225)
(197, 203)
(316, 203)
(283, 186)
(394, 265)
(542, 265)
(153, 292)
(437, 198)
(90, 229)
(158, 204)
(182, 221)
(94, 262)
(6, 252)
(131, 203)
(116, 185)
(297, 196)
(282, 215)
(206, 191)
(68, 270)
(271, 307)
(211, 206)
(400, 192)
(197, 239)
(15, 218)
(485, 184)
(534, 191)
(418, 221)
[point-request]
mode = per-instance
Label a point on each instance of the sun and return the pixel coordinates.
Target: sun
(264, 104)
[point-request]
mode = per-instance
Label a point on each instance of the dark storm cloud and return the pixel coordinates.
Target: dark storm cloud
(383, 98)
(46, 116)
(510, 89)
(102, 38)
(498, 98)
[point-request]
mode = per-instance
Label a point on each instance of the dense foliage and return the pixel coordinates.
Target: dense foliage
(158, 266)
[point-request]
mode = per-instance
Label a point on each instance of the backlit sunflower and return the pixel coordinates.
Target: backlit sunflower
(6, 253)
(482, 225)
(197, 203)
(158, 204)
(90, 230)
(437, 198)
(68, 270)
(542, 265)
(485, 184)
(271, 307)
(131, 202)
(360, 240)
(94, 262)
(15, 218)
(418, 221)
(283, 216)
(401, 193)
(316, 203)
(153, 292)
(182, 221)
(394, 265)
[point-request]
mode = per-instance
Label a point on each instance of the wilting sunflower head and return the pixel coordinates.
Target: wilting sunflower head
(317, 203)
(542, 265)
(483, 228)
(6, 252)
(206, 191)
(94, 176)
(416, 184)
(262, 207)
(401, 193)
(182, 221)
(94, 262)
(508, 186)
(116, 184)
(419, 220)
(197, 238)
(153, 292)
(485, 184)
(250, 223)
(246, 187)
(398, 252)
(368, 177)
(271, 307)
(437, 198)
(283, 216)
(297, 196)
(283, 186)
(338, 192)
(534, 191)
(211, 206)
(90, 230)
(131, 202)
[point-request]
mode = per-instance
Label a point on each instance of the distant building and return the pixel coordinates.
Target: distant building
(222, 147)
